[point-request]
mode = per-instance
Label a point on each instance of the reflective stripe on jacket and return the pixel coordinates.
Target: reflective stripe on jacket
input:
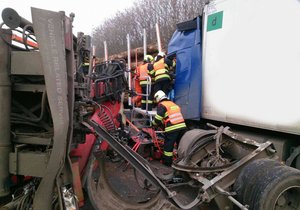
(173, 118)
(161, 69)
(143, 74)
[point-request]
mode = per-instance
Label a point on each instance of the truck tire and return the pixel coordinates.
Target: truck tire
(102, 196)
(190, 138)
(248, 175)
(297, 162)
(270, 186)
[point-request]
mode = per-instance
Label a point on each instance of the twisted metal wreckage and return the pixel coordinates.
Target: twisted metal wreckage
(62, 134)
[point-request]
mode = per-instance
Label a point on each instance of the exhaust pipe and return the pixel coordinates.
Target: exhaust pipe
(13, 20)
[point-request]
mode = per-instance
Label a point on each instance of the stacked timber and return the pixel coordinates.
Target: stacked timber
(136, 55)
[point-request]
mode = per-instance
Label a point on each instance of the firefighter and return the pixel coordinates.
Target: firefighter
(161, 74)
(145, 82)
(169, 115)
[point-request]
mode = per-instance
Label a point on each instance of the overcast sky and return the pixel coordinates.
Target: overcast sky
(88, 13)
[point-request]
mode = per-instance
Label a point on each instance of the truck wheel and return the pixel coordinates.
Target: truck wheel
(273, 188)
(190, 138)
(110, 187)
(297, 163)
(250, 174)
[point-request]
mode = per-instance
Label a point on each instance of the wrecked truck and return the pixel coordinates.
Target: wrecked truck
(65, 143)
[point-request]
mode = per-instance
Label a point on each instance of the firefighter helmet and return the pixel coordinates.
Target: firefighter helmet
(148, 58)
(160, 95)
(162, 54)
(159, 56)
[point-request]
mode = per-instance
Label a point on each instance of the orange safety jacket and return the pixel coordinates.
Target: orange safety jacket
(172, 118)
(137, 99)
(161, 70)
(143, 75)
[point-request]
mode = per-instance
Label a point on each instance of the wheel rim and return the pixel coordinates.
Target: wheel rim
(288, 199)
(119, 184)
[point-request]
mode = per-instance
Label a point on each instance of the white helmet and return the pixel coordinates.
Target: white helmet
(162, 54)
(160, 95)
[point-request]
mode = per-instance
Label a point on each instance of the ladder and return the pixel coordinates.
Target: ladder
(137, 112)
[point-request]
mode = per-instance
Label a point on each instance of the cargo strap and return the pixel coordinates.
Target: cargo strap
(49, 31)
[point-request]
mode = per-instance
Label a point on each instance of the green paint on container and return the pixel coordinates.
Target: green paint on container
(215, 21)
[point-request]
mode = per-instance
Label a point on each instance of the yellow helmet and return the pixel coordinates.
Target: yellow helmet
(148, 58)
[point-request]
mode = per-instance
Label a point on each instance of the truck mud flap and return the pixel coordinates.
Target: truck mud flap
(49, 31)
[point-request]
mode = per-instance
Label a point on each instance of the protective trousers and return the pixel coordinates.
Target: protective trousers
(170, 139)
(163, 85)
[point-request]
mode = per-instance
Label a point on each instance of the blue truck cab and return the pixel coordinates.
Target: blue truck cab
(185, 44)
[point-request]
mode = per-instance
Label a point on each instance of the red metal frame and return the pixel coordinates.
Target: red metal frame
(82, 152)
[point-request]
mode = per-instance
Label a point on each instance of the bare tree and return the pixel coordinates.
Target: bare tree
(144, 14)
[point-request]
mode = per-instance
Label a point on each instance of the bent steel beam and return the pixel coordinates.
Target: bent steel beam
(141, 165)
